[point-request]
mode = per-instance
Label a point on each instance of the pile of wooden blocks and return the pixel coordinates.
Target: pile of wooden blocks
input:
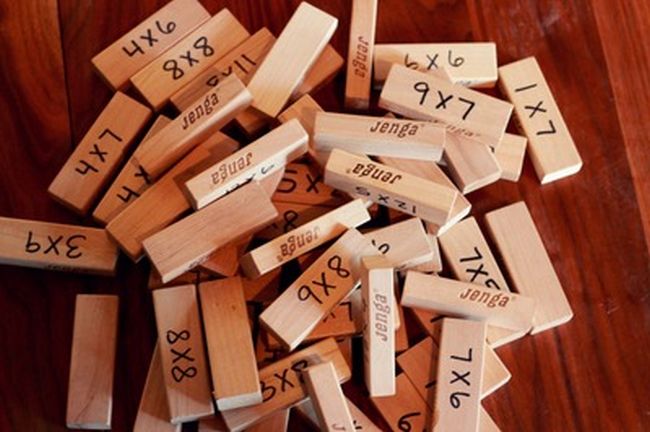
(354, 207)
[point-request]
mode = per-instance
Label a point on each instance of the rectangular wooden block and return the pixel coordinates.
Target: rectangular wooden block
(531, 271)
(460, 375)
(325, 392)
(92, 362)
(96, 158)
(552, 150)
(510, 156)
(360, 53)
(53, 246)
(148, 40)
(185, 244)
(178, 66)
(389, 186)
(278, 421)
(359, 418)
(435, 263)
(182, 353)
(406, 410)
(230, 344)
(330, 279)
(281, 383)
(302, 183)
(225, 261)
(324, 69)
(472, 165)
(403, 244)
(297, 48)
(290, 216)
(254, 162)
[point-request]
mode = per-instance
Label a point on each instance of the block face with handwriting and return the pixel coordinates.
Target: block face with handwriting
(303, 184)
(405, 410)
(327, 397)
(404, 244)
(360, 54)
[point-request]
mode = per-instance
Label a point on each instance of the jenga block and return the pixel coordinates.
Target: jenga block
(471, 165)
(193, 126)
(462, 111)
(242, 61)
(94, 161)
(263, 289)
(194, 276)
(129, 184)
(304, 239)
(325, 392)
(230, 344)
(305, 110)
(531, 271)
(510, 156)
(164, 201)
(401, 336)
(406, 410)
(278, 421)
(185, 244)
(435, 263)
(303, 184)
(182, 353)
(257, 160)
(281, 383)
(297, 48)
(471, 64)
(375, 136)
(53, 246)
(92, 362)
(148, 40)
(360, 52)
(291, 216)
(153, 412)
(225, 261)
(360, 420)
(186, 60)
(403, 244)
(325, 68)
(552, 150)
(330, 279)
(389, 186)
(460, 375)
(378, 329)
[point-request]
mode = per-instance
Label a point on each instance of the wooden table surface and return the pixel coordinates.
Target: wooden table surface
(591, 374)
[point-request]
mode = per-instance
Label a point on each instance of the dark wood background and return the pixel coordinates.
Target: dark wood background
(591, 374)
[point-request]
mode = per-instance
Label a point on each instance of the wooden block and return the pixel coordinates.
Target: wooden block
(51, 246)
(164, 202)
(327, 397)
(230, 344)
(460, 375)
(510, 156)
(148, 40)
(471, 165)
(435, 263)
(406, 410)
(278, 421)
(401, 336)
(257, 160)
(182, 353)
(194, 276)
(467, 300)
(552, 150)
(299, 45)
(96, 158)
(212, 424)
(325, 68)
(462, 111)
(360, 54)
(360, 420)
(153, 412)
(376, 136)
(242, 61)
(186, 60)
(225, 261)
(263, 289)
(304, 239)
(185, 244)
(129, 184)
(92, 362)
(329, 280)
(403, 244)
(291, 215)
(389, 186)
(251, 122)
(193, 126)
(378, 330)
(281, 383)
(420, 364)
(303, 184)
(471, 64)
(531, 271)
(305, 110)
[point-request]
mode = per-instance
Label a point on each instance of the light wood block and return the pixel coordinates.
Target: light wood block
(389, 186)
(375, 136)
(212, 424)
(401, 336)
(148, 40)
(230, 344)
(403, 244)
(420, 364)
(51, 246)
(281, 383)
(186, 60)
(325, 68)
(194, 276)
(225, 261)
(193, 126)
(94, 161)
(510, 156)
(182, 353)
(164, 202)
(472, 165)
(360, 54)
(435, 263)
(303, 184)
(552, 150)
(472, 64)
(359, 418)
(278, 421)
(291, 216)
(305, 110)
(330, 279)
(254, 162)
(379, 330)
(406, 410)
(460, 375)
(297, 48)
(531, 271)
(263, 289)
(185, 244)
(325, 392)
(92, 362)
